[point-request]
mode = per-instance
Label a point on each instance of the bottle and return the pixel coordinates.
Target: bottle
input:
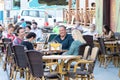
(45, 44)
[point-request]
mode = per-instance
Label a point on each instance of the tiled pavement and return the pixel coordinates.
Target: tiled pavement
(111, 73)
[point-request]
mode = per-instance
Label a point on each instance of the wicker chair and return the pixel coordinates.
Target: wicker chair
(20, 61)
(86, 72)
(84, 51)
(51, 37)
(35, 63)
(117, 35)
(106, 57)
(89, 40)
(5, 41)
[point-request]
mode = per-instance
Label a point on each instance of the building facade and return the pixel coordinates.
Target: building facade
(108, 12)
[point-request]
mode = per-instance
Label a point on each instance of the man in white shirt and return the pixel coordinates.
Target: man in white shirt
(79, 27)
(38, 32)
(92, 31)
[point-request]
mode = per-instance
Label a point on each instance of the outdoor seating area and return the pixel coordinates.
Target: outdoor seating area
(101, 54)
(60, 40)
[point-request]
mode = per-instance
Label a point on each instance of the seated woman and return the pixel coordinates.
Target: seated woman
(107, 32)
(78, 40)
(73, 50)
(28, 43)
(9, 33)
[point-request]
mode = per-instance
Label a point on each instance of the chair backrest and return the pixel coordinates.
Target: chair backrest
(89, 40)
(82, 49)
(9, 49)
(102, 45)
(19, 55)
(51, 37)
(5, 42)
(93, 57)
(118, 47)
(86, 52)
(94, 53)
(35, 63)
(117, 35)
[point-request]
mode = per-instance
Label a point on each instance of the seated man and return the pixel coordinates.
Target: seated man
(64, 38)
(29, 40)
(37, 31)
(92, 31)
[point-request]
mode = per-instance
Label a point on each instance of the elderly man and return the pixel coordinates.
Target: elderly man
(64, 38)
(92, 31)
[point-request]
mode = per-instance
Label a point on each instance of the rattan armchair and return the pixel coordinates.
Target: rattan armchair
(83, 51)
(5, 41)
(20, 61)
(105, 56)
(35, 63)
(86, 72)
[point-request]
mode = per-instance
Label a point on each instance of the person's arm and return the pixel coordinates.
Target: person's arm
(70, 41)
(15, 42)
(71, 49)
(39, 35)
(39, 47)
(109, 35)
(28, 45)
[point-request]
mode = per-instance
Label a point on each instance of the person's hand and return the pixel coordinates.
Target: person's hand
(97, 35)
(39, 47)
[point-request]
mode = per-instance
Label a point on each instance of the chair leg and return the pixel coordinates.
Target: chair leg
(43, 78)
(81, 77)
(100, 62)
(27, 74)
(108, 61)
(0, 57)
(31, 77)
(16, 72)
(21, 73)
(66, 78)
(4, 66)
(105, 63)
(88, 77)
(15, 75)
(12, 71)
(116, 61)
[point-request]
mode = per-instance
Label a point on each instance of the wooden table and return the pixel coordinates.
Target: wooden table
(109, 44)
(48, 52)
(62, 58)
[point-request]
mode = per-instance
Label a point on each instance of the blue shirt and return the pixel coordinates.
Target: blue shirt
(74, 48)
(23, 24)
(66, 42)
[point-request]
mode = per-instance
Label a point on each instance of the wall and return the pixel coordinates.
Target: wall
(99, 15)
(118, 15)
(113, 14)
